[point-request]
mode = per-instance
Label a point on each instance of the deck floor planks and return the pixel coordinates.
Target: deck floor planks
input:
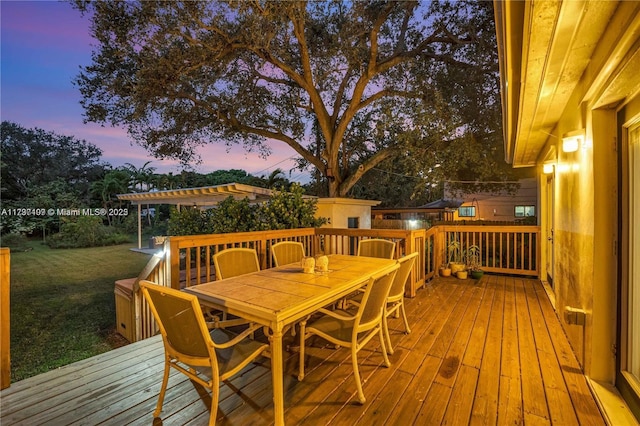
(583, 402)
(69, 383)
(510, 388)
(558, 399)
(533, 396)
(475, 349)
(482, 324)
(485, 403)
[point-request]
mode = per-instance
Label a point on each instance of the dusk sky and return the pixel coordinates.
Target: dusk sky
(43, 45)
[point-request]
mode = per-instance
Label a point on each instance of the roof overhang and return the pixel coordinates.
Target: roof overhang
(547, 50)
(202, 196)
(348, 201)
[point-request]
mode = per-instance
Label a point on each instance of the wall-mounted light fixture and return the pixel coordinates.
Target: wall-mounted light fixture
(572, 141)
(547, 168)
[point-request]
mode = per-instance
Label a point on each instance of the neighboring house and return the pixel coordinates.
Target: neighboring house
(503, 205)
(570, 84)
(435, 211)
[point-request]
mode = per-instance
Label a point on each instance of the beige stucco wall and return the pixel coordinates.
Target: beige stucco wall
(339, 210)
(585, 231)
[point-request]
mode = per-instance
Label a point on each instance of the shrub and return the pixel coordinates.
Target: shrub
(15, 242)
(188, 221)
(289, 210)
(284, 210)
(86, 231)
(233, 215)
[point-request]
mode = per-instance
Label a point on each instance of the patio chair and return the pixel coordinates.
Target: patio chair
(206, 357)
(376, 247)
(235, 261)
(350, 330)
(395, 301)
(231, 263)
(286, 252)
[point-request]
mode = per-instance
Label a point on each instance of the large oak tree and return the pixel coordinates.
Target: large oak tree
(347, 85)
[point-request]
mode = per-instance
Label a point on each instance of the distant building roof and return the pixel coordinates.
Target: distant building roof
(442, 204)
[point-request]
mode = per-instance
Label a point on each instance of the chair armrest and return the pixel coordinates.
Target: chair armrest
(239, 337)
(336, 315)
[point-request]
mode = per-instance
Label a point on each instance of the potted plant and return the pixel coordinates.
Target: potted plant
(445, 271)
(474, 262)
(455, 256)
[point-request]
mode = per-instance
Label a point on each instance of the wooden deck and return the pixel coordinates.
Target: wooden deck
(489, 353)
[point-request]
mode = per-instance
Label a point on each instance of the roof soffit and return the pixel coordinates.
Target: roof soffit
(560, 44)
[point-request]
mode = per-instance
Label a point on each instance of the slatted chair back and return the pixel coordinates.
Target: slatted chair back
(206, 357)
(286, 252)
(180, 321)
(400, 281)
(376, 247)
(374, 300)
(235, 261)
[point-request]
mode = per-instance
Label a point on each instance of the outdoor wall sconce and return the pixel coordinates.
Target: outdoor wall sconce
(572, 141)
(547, 169)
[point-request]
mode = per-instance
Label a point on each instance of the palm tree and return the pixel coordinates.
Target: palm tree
(114, 182)
(277, 179)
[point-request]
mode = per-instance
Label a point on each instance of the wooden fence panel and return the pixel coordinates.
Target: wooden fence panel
(5, 329)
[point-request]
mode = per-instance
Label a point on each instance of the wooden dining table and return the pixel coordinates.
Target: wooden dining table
(279, 297)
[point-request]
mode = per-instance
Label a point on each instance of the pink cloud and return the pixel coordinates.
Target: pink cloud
(48, 22)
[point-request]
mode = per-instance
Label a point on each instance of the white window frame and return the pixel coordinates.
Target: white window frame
(471, 208)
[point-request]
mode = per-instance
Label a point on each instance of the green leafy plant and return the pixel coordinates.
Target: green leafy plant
(454, 253)
(289, 210)
(86, 231)
(473, 258)
(284, 210)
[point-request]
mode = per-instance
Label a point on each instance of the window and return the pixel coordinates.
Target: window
(525, 211)
(467, 211)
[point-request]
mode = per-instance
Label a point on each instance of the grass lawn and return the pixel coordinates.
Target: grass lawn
(62, 304)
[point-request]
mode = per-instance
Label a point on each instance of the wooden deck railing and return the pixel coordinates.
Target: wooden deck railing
(5, 358)
(505, 249)
(190, 257)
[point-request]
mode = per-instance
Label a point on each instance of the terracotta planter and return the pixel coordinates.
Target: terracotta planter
(455, 267)
(445, 272)
(462, 275)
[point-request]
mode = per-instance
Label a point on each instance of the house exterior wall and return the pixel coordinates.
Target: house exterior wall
(585, 233)
(340, 210)
(497, 206)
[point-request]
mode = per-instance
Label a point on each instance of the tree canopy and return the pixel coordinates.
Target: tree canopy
(31, 158)
(347, 85)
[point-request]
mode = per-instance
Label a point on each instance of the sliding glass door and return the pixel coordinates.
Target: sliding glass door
(629, 316)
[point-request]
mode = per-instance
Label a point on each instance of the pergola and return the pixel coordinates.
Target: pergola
(206, 196)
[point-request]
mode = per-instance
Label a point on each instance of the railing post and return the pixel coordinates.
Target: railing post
(173, 262)
(5, 329)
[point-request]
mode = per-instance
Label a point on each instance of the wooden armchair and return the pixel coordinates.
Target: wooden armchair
(235, 261)
(206, 357)
(395, 301)
(353, 330)
(286, 252)
(376, 247)
(230, 263)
